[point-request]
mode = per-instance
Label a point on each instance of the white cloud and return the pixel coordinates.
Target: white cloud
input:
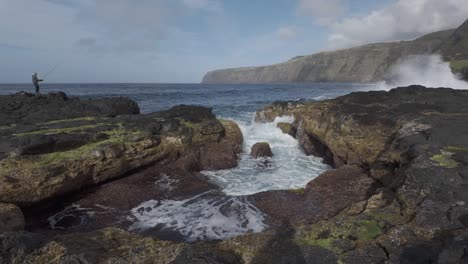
(286, 32)
(402, 20)
(324, 12)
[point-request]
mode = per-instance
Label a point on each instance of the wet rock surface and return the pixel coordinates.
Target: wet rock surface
(397, 193)
(411, 142)
(45, 160)
(261, 150)
(319, 200)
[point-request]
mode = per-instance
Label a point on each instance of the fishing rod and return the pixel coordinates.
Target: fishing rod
(49, 72)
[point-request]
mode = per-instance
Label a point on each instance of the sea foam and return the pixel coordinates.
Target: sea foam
(208, 216)
(289, 168)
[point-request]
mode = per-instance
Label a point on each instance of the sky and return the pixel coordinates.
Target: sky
(177, 41)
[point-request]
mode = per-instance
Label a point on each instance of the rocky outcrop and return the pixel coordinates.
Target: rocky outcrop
(261, 150)
(411, 144)
(367, 63)
(47, 159)
(397, 193)
(323, 197)
(30, 108)
(109, 245)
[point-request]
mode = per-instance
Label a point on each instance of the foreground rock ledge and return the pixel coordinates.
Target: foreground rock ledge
(46, 159)
(398, 195)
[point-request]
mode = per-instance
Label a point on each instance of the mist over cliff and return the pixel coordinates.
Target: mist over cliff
(363, 64)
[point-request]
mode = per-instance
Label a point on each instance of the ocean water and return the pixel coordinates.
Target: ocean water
(211, 216)
(227, 101)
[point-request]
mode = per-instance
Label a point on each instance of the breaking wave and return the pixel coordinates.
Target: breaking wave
(426, 70)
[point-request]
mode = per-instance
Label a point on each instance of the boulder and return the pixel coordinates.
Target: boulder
(11, 218)
(261, 150)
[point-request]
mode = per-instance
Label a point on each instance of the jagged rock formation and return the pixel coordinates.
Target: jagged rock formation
(368, 63)
(45, 159)
(407, 149)
(398, 193)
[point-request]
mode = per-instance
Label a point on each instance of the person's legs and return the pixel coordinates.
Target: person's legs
(37, 88)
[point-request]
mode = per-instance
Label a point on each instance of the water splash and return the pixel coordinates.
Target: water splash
(426, 70)
(289, 168)
(208, 216)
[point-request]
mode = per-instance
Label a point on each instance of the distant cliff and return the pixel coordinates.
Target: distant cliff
(366, 63)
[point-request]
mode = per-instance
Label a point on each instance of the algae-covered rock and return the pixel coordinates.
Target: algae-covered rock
(110, 245)
(398, 193)
(47, 159)
(287, 128)
(413, 142)
(222, 153)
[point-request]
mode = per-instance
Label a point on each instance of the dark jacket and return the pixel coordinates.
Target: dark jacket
(36, 80)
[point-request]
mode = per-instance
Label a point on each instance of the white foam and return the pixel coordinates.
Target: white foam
(207, 216)
(426, 70)
(72, 211)
(289, 168)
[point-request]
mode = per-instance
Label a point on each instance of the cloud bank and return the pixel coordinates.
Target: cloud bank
(401, 20)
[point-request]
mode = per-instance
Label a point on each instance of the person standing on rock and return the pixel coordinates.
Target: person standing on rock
(36, 81)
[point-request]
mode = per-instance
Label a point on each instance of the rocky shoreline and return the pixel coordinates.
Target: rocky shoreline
(397, 193)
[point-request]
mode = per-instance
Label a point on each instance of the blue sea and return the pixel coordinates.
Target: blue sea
(227, 100)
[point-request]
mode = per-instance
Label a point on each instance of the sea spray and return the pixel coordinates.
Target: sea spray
(426, 70)
(289, 168)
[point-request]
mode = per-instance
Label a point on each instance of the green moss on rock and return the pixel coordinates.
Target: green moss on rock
(286, 128)
(332, 235)
(455, 149)
(88, 118)
(444, 159)
(458, 65)
(61, 130)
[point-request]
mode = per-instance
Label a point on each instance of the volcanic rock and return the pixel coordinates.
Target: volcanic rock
(46, 159)
(398, 193)
(30, 108)
(412, 143)
(11, 218)
(261, 150)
